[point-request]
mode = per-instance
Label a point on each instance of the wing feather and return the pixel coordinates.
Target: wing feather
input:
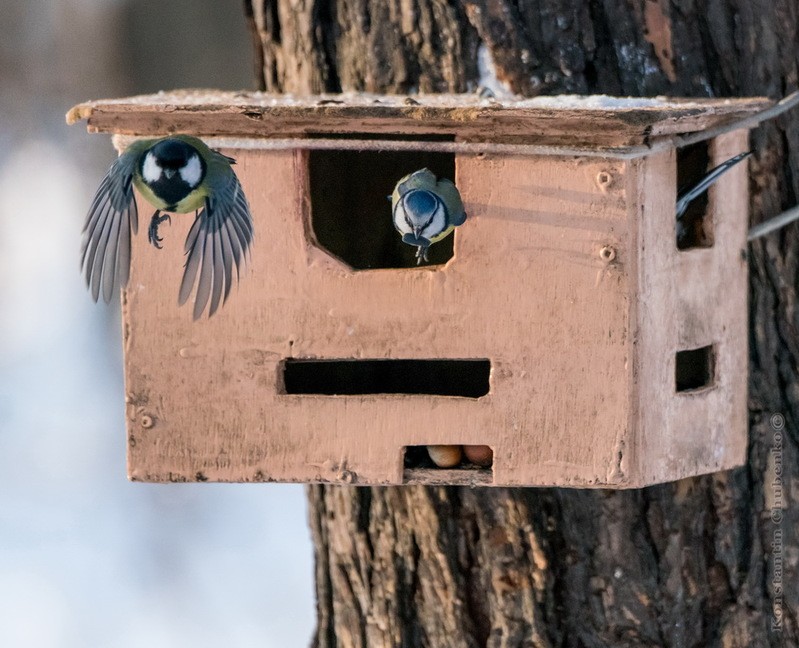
(227, 260)
(206, 274)
(110, 258)
(112, 217)
(235, 244)
(192, 264)
(219, 272)
(452, 201)
(91, 232)
(219, 239)
(242, 235)
(99, 256)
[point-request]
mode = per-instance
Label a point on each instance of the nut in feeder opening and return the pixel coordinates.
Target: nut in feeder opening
(480, 455)
(445, 456)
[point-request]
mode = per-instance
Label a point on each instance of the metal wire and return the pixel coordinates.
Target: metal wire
(783, 105)
(773, 224)
(477, 148)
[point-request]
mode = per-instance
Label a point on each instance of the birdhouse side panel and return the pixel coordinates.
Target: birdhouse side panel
(692, 325)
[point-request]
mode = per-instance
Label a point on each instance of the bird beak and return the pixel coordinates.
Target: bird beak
(169, 173)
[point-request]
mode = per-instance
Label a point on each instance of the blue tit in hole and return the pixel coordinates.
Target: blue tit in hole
(177, 174)
(687, 195)
(425, 210)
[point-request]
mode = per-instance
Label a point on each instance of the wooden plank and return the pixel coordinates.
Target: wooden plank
(448, 476)
(528, 288)
(594, 121)
(686, 300)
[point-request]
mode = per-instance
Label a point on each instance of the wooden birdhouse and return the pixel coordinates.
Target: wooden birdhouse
(563, 325)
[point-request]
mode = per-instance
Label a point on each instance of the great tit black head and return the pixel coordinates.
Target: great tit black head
(172, 169)
(175, 174)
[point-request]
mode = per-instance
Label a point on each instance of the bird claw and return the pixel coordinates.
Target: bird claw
(421, 254)
(152, 231)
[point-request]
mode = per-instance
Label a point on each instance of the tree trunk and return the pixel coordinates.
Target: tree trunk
(702, 562)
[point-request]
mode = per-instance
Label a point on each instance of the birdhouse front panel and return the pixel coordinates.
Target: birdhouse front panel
(227, 374)
(569, 324)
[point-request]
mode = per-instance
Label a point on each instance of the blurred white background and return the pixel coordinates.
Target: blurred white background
(88, 559)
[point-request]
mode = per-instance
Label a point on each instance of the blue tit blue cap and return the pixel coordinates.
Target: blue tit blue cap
(420, 201)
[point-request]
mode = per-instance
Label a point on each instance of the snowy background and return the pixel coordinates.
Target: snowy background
(88, 559)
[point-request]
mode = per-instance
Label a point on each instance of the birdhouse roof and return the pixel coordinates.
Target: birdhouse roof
(570, 121)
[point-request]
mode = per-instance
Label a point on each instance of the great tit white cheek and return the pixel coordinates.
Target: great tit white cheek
(151, 172)
(192, 171)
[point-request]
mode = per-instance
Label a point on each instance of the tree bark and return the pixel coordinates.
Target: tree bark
(701, 562)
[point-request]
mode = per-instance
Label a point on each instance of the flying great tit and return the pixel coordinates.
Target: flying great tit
(425, 210)
(178, 174)
(689, 194)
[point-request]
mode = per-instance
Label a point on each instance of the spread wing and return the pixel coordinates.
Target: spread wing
(219, 239)
(452, 199)
(112, 217)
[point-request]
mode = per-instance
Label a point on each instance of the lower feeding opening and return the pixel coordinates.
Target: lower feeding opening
(448, 464)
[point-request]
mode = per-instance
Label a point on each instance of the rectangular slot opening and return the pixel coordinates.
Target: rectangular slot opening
(695, 226)
(466, 378)
(695, 369)
(351, 216)
(448, 464)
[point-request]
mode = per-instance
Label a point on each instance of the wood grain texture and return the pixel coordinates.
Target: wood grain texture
(584, 121)
(557, 340)
(683, 564)
(577, 341)
(687, 299)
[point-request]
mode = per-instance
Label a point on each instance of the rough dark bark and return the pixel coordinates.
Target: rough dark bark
(696, 563)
